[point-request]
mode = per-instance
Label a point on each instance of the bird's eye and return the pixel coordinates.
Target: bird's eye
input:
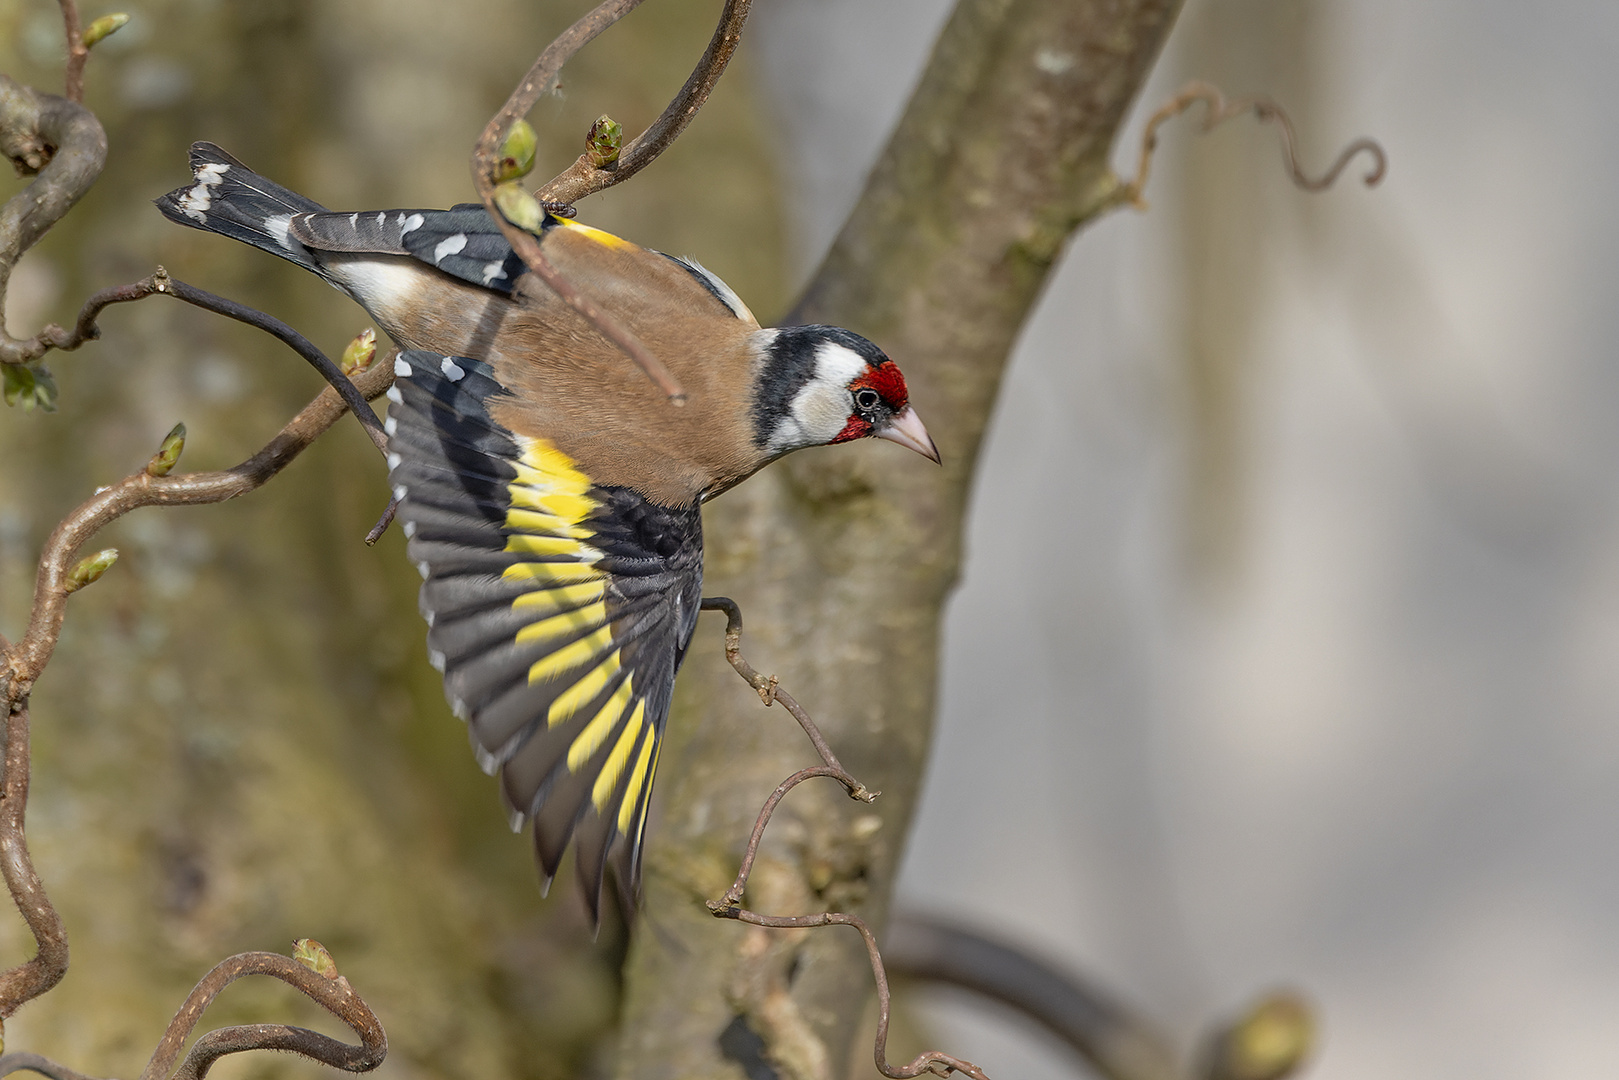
(866, 398)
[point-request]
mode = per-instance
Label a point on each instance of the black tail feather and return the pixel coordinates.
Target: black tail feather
(227, 197)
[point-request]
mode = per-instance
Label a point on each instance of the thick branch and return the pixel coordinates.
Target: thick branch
(29, 980)
(64, 143)
(843, 559)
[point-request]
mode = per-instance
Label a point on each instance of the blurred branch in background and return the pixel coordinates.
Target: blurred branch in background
(1271, 1040)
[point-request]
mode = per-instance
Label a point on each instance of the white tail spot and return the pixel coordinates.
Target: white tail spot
(452, 371)
(450, 245)
(411, 224)
(401, 368)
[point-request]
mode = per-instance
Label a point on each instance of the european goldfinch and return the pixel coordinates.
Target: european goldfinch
(550, 493)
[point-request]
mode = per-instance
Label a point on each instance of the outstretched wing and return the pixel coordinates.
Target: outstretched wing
(559, 611)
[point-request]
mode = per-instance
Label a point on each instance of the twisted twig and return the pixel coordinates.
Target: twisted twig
(1219, 110)
(728, 906)
(332, 993)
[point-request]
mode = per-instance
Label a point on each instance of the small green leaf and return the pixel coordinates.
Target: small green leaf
(29, 385)
(103, 27)
(605, 140)
(313, 955)
(519, 207)
(516, 153)
(359, 353)
(168, 454)
(90, 568)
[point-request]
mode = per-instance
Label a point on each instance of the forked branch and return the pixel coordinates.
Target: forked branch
(584, 176)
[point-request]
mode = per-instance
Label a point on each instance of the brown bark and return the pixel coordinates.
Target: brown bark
(843, 559)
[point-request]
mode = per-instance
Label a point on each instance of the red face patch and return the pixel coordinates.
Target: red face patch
(856, 428)
(888, 382)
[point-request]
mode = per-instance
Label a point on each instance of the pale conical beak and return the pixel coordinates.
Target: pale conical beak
(907, 430)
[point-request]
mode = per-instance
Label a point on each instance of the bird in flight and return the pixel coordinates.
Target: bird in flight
(550, 493)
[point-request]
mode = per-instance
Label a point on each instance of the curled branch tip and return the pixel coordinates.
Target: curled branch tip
(1219, 110)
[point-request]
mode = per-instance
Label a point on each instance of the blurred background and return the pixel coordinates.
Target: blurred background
(1284, 654)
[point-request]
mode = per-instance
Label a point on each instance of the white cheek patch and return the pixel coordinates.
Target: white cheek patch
(820, 411)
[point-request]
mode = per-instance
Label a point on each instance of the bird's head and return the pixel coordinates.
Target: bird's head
(823, 384)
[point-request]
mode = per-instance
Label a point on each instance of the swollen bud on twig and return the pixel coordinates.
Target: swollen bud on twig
(1269, 1042)
(29, 385)
(90, 569)
(519, 207)
(103, 27)
(359, 353)
(516, 153)
(313, 955)
(605, 140)
(168, 455)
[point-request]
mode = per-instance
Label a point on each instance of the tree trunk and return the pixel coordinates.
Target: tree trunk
(842, 559)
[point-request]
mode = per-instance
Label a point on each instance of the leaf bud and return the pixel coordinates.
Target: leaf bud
(516, 152)
(519, 207)
(359, 353)
(168, 454)
(103, 27)
(605, 140)
(313, 955)
(90, 568)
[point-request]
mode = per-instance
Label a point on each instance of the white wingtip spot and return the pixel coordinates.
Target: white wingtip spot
(448, 246)
(354, 221)
(276, 227)
(394, 395)
(410, 531)
(488, 762)
(401, 368)
(436, 658)
(390, 426)
(394, 461)
(452, 371)
(411, 224)
(423, 569)
(400, 492)
(382, 217)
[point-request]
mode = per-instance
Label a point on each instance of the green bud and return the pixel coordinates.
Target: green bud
(605, 140)
(90, 569)
(168, 454)
(313, 955)
(29, 385)
(516, 153)
(359, 353)
(103, 27)
(519, 207)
